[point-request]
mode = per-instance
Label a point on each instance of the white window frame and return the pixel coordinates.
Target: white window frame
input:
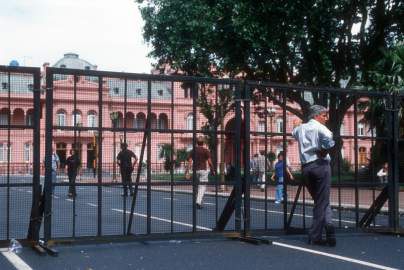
(76, 115)
(3, 119)
(342, 130)
(279, 125)
(61, 119)
(189, 122)
(29, 119)
(92, 120)
(361, 129)
(4, 152)
(161, 121)
(27, 152)
(159, 147)
(261, 126)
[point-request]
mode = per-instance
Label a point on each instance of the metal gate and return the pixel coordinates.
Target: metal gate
(160, 119)
(365, 125)
(20, 105)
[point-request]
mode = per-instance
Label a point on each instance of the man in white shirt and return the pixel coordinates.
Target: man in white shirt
(315, 140)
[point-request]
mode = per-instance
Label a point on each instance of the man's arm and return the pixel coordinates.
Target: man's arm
(326, 141)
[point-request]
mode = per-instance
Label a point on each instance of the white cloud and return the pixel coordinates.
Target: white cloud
(104, 32)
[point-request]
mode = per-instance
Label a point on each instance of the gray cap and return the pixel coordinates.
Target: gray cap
(316, 110)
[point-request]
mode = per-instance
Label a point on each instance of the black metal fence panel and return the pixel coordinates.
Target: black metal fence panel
(19, 148)
(160, 119)
(71, 136)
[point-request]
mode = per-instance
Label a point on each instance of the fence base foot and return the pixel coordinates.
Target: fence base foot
(51, 251)
(39, 250)
(252, 240)
(292, 230)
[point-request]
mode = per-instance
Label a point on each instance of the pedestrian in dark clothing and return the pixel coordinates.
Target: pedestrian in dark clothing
(73, 164)
(315, 140)
(124, 160)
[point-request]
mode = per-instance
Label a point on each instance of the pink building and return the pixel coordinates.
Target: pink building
(85, 113)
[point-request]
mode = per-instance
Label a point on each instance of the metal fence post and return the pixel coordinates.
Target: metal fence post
(237, 161)
(247, 176)
(48, 156)
(393, 184)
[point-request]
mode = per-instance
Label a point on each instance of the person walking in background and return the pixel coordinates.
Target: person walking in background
(254, 168)
(315, 141)
(55, 165)
(278, 177)
(73, 164)
(201, 163)
(124, 160)
(383, 174)
(261, 162)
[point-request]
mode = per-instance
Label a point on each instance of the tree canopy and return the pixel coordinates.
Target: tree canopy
(300, 41)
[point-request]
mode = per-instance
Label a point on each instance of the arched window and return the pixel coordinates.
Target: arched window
(92, 119)
(189, 121)
(153, 121)
(61, 118)
(279, 125)
(163, 121)
(140, 121)
(18, 117)
(76, 118)
(4, 117)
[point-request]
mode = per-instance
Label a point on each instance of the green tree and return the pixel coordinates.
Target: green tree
(309, 42)
(386, 76)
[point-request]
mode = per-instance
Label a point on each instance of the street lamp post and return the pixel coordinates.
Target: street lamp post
(114, 117)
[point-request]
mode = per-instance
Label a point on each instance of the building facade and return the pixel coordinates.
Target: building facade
(76, 104)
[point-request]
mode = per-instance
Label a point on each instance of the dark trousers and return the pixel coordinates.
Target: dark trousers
(72, 183)
(126, 176)
(318, 181)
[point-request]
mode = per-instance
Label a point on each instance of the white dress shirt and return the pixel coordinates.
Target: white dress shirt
(312, 137)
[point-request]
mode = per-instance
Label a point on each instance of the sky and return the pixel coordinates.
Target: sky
(106, 33)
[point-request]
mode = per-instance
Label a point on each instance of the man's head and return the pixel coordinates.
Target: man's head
(280, 155)
(200, 140)
(124, 146)
(318, 113)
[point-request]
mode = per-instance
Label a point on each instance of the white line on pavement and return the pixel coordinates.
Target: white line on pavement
(16, 261)
(92, 204)
(69, 200)
(338, 257)
(300, 215)
(170, 199)
(281, 212)
(163, 219)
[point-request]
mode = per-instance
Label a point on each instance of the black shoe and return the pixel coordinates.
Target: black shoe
(124, 194)
(330, 235)
(199, 206)
(319, 242)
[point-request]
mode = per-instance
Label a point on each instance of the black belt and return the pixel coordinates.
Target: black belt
(308, 163)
